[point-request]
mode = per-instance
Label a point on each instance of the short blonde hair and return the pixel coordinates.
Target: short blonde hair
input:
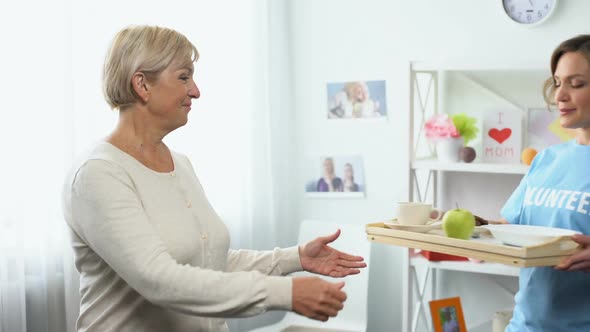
(579, 44)
(146, 49)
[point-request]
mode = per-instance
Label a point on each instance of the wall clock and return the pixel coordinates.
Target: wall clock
(529, 12)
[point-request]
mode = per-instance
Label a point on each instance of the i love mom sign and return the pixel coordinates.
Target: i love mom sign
(502, 137)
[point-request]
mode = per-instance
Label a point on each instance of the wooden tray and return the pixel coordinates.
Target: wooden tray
(485, 247)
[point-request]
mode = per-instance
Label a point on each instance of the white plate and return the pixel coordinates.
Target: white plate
(526, 235)
(433, 224)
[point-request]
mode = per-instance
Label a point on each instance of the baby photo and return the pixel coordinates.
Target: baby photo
(355, 100)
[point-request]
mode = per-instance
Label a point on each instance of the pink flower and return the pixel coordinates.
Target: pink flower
(440, 126)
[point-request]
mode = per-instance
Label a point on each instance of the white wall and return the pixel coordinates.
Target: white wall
(349, 40)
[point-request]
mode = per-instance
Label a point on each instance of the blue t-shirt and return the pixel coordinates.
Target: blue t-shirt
(555, 192)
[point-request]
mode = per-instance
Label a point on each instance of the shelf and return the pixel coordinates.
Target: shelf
(479, 66)
(475, 88)
(435, 165)
(467, 266)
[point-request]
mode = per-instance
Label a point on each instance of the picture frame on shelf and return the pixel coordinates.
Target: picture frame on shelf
(447, 315)
(476, 88)
(502, 137)
(336, 177)
(543, 129)
(357, 100)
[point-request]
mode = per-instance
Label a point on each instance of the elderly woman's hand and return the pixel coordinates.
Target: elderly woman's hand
(579, 261)
(317, 257)
(317, 298)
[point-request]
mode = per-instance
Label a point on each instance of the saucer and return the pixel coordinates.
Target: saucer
(432, 224)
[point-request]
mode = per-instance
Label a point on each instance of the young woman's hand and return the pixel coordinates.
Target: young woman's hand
(579, 261)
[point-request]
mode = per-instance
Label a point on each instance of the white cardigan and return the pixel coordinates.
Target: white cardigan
(154, 256)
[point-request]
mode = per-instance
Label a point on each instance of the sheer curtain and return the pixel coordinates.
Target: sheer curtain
(32, 280)
(237, 137)
(33, 250)
(268, 219)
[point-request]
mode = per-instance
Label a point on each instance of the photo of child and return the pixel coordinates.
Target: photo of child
(447, 315)
(358, 99)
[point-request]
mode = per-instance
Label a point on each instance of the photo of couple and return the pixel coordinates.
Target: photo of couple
(338, 175)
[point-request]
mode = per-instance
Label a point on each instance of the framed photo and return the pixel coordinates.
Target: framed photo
(335, 177)
(544, 129)
(357, 100)
(447, 315)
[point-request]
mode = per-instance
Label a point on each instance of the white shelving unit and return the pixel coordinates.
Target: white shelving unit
(466, 266)
(435, 165)
(425, 171)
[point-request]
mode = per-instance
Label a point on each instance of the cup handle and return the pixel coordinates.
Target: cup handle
(438, 213)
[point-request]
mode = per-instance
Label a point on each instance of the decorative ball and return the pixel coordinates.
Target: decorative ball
(528, 155)
(467, 154)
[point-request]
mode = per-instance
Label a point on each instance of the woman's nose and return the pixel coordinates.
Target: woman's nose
(561, 94)
(194, 91)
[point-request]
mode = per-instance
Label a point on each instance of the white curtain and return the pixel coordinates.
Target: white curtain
(32, 282)
(34, 94)
(268, 219)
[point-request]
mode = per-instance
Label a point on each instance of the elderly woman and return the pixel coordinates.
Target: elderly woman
(152, 253)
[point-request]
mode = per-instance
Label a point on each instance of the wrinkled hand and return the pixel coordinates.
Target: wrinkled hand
(316, 298)
(317, 257)
(579, 261)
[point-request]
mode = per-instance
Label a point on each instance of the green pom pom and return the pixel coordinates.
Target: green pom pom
(465, 126)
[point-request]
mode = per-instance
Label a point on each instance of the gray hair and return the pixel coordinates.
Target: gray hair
(146, 49)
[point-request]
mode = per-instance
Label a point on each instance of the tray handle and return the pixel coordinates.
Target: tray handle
(563, 244)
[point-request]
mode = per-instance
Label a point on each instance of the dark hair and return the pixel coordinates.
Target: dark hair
(579, 44)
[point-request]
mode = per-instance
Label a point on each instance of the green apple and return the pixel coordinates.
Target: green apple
(458, 223)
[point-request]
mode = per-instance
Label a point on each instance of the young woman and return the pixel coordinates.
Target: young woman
(556, 192)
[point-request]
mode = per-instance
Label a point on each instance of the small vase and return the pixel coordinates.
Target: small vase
(448, 149)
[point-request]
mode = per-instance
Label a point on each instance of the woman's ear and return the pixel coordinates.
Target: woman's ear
(140, 86)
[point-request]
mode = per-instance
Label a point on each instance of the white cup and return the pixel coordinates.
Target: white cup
(416, 213)
(501, 320)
